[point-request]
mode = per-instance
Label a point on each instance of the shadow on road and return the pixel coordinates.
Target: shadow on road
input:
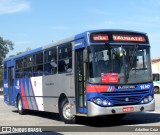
(129, 119)
(47, 115)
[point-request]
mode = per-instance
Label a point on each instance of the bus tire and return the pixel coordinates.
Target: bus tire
(115, 117)
(65, 114)
(20, 106)
(156, 89)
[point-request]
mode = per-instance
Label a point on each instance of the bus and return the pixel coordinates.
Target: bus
(94, 73)
(156, 82)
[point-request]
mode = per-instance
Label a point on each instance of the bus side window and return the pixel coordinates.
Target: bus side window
(65, 58)
(5, 71)
(38, 64)
(28, 66)
(155, 77)
(19, 68)
(50, 66)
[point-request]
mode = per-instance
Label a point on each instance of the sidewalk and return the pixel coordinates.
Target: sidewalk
(1, 96)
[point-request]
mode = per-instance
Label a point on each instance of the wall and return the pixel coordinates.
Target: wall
(156, 67)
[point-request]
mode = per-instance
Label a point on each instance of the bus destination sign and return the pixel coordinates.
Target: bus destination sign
(100, 37)
(130, 38)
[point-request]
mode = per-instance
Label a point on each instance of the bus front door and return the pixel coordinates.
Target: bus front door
(80, 67)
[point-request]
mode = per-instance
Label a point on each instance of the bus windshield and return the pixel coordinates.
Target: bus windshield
(120, 64)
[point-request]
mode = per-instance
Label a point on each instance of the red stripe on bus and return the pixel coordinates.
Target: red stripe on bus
(97, 88)
(24, 97)
(112, 89)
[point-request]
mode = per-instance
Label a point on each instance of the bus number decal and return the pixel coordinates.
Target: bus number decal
(144, 86)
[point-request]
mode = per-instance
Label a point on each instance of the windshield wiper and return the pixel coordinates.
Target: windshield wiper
(133, 56)
(130, 63)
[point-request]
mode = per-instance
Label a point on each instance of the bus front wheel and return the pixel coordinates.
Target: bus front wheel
(65, 112)
(20, 106)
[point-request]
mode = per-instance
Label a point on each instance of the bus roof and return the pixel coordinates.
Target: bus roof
(76, 37)
(115, 30)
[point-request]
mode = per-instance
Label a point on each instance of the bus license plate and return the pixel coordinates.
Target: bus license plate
(128, 109)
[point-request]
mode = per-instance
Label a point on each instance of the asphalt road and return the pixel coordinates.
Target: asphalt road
(10, 117)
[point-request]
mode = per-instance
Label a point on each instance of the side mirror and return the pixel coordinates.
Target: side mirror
(85, 55)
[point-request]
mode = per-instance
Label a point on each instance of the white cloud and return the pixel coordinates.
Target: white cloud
(13, 6)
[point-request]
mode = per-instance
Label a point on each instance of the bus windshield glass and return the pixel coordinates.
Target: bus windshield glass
(119, 64)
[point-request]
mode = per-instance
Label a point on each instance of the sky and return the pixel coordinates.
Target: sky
(35, 23)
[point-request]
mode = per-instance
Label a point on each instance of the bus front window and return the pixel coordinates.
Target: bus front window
(119, 64)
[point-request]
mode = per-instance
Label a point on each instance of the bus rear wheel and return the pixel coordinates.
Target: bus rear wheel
(20, 106)
(65, 112)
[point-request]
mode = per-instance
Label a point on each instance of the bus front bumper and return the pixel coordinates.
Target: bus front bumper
(95, 110)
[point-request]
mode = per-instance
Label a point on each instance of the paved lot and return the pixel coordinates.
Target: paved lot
(10, 117)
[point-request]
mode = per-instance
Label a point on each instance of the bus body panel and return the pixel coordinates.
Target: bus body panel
(95, 110)
(54, 86)
(30, 89)
(43, 96)
(156, 83)
(125, 95)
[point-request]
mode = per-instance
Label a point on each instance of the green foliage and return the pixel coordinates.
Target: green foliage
(5, 47)
(27, 49)
(19, 53)
(11, 56)
(1, 77)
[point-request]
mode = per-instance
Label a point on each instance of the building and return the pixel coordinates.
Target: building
(156, 65)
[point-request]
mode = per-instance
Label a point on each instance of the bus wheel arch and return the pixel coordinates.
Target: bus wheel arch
(64, 110)
(17, 99)
(20, 105)
(156, 89)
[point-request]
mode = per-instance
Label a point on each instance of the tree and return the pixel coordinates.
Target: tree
(1, 77)
(11, 56)
(18, 53)
(28, 49)
(5, 47)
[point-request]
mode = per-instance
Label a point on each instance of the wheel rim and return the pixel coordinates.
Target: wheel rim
(19, 105)
(155, 89)
(67, 112)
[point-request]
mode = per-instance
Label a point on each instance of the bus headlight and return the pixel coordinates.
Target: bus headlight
(104, 102)
(101, 101)
(150, 98)
(147, 99)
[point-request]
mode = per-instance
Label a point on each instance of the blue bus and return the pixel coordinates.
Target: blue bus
(95, 73)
